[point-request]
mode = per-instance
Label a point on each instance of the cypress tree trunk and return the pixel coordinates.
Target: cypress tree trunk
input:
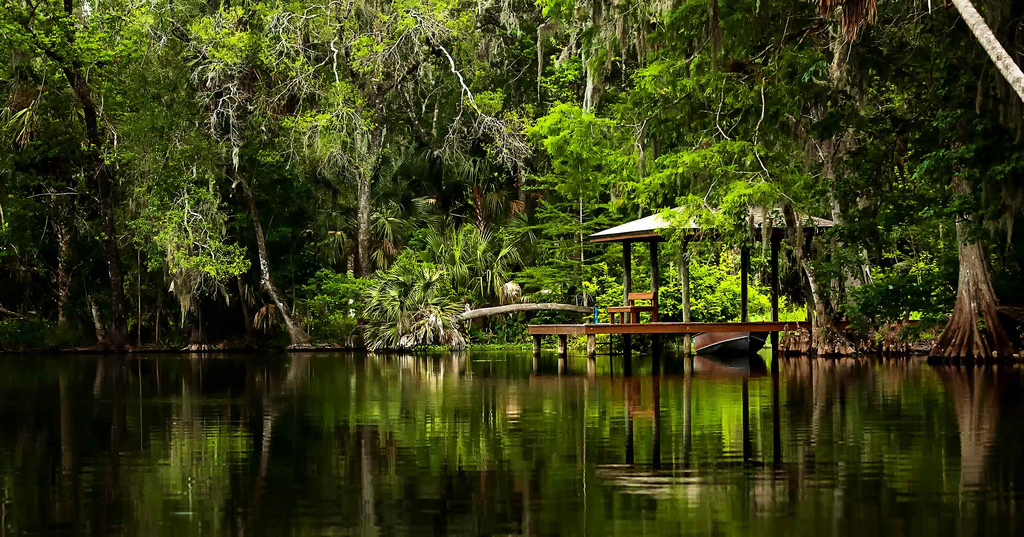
(974, 329)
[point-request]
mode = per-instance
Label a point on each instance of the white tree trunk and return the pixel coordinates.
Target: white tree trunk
(515, 308)
(1010, 70)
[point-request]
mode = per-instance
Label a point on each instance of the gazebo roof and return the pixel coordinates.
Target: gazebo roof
(648, 228)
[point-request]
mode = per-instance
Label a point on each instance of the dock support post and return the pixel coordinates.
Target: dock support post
(536, 345)
(563, 345)
(776, 241)
(744, 269)
(591, 346)
(684, 288)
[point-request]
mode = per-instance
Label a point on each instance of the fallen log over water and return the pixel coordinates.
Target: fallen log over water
(516, 308)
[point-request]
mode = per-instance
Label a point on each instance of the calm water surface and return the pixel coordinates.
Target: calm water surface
(486, 443)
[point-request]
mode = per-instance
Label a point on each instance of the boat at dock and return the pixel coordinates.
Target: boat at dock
(729, 343)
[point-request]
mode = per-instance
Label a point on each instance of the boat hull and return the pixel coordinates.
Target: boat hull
(729, 343)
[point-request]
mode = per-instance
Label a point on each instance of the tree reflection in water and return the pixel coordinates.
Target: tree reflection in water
(475, 443)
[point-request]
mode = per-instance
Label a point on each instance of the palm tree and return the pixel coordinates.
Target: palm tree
(407, 306)
(480, 265)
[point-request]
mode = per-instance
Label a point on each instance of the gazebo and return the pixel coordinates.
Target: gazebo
(649, 230)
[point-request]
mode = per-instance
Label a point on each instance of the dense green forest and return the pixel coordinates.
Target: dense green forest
(181, 173)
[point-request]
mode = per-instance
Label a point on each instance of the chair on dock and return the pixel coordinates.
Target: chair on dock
(630, 313)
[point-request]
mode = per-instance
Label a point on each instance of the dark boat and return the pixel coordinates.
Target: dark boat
(729, 343)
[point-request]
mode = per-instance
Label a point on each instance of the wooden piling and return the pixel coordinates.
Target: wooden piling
(684, 285)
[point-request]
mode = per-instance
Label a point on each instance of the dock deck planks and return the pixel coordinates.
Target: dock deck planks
(665, 328)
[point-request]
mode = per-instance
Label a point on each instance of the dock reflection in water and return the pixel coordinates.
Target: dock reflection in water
(496, 443)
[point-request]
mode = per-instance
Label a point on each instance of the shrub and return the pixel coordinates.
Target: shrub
(334, 303)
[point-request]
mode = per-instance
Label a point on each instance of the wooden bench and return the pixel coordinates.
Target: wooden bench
(631, 312)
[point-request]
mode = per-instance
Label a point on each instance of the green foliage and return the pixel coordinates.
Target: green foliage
(32, 333)
(466, 150)
(915, 289)
(603, 288)
(715, 292)
(334, 303)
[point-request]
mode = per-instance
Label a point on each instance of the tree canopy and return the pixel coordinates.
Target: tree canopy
(189, 173)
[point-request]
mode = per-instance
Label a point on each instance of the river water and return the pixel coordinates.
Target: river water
(485, 443)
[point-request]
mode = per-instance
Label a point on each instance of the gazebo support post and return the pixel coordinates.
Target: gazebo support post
(776, 241)
(563, 346)
(627, 288)
(655, 273)
(591, 346)
(810, 296)
(655, 285)
(627, 271)
(744, 269)
(684, 289)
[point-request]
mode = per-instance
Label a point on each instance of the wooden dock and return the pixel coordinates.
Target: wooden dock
(648, 230)
(664, 328)
(591, 330)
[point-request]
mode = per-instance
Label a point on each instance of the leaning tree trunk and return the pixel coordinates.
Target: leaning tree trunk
(1010, 70)
(295, 332)
(974, 330)
(825, 337)
(516, 308)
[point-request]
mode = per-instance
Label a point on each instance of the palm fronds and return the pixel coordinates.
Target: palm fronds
(408, 306)
(418, 301)
(266, 318)
(855, 14)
